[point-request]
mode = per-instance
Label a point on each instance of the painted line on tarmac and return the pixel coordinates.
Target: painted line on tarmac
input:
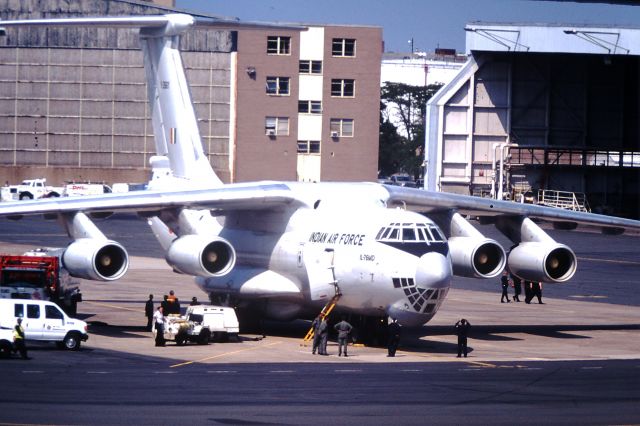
(223, 354)
(619, 262)
(281, 371)
(481, 364)
(112, 306)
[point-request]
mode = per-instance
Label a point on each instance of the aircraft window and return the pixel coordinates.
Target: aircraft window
(380, 232)
(408, 234)
(436, 234)
(394, 234)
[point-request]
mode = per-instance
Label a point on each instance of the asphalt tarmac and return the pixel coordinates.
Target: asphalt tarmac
(575, 359)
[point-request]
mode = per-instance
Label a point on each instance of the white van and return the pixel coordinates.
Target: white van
(43, 321)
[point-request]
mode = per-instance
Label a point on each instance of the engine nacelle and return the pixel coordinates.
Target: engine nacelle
(476, 257)
(543, 261)
(201, 255)
(96, 259)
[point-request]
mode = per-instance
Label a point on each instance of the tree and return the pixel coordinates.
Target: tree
(402, 127)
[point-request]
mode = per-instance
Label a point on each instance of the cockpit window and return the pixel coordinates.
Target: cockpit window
(410, 232)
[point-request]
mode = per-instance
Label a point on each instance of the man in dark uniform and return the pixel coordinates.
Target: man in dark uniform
(394, 331)
(504, 281)
(18, 339)
(536, 288)
(517, 287)
(316, 335)
(462, 330)
(194, 301)
(528, 291)
(148, 311)
(323, 331)
(343, 328)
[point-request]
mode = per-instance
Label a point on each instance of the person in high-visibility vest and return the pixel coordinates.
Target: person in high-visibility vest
(18, 339)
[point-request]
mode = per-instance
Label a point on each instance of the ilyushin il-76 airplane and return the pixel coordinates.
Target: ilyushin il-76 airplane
(283, 250)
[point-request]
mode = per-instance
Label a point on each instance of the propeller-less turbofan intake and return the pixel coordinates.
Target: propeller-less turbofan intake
(96, 259)
(476, 257)
(201, 256)
(472, 254)
(545, 262)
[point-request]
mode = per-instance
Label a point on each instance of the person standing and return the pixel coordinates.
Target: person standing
(316, 335)
(18, 339)
(159, 320)
(394, 331)
(323, 331)
(343, 328)
(462, 330)
(504, 281)
(536, 288)
(517, 287)
(148, 311)
(528, 291)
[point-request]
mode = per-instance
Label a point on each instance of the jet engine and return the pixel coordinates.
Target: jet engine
(542, 261)
(476, 257)
(472, 254)
(96, 259)
(203, 256)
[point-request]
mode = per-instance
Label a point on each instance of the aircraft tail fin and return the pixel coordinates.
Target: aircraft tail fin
(174, 121)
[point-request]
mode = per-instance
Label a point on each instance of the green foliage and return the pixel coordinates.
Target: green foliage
(402, 146)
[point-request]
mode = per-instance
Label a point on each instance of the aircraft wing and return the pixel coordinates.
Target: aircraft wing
(231, 197)
(435, 202)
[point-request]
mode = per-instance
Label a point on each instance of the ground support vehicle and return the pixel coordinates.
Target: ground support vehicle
(202, 324)
(77, 189)
(29, 189)
(39, 275)
(43, 321)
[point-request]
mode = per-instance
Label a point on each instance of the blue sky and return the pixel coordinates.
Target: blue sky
(431, 23)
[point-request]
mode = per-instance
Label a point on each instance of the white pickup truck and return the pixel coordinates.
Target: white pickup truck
(30, 189)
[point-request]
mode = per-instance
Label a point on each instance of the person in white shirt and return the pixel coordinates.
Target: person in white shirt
(158, 319)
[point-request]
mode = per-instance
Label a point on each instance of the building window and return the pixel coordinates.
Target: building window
(278, 86)
(310, 67)
(310, 107)
(308, 147)
(341, 127)
(343, 88)
(278, 45)
(343, 47)
(276, 126)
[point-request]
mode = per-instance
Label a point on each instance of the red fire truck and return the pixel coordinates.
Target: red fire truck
(38, 274)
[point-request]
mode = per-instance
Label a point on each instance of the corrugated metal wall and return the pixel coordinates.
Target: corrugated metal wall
(73, 101)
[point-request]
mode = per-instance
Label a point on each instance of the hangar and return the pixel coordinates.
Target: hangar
(286, 102)
(541, 111)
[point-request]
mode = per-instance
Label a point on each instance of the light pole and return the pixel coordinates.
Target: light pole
(411, 43)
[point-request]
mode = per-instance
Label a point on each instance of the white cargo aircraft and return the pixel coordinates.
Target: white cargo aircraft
(282, 250)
